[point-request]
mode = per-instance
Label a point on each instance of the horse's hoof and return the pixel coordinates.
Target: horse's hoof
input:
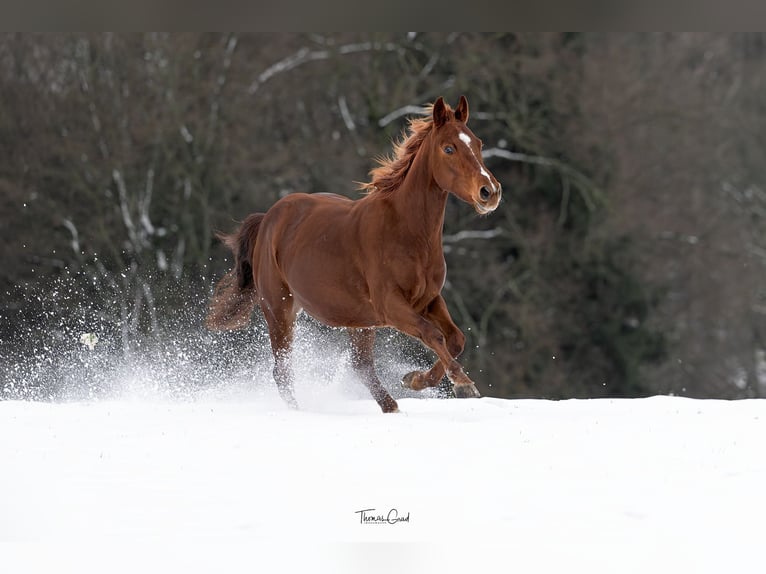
(389, 406)
(290, 401)
(466, 392)
(410, 381)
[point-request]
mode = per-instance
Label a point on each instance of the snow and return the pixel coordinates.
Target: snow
(241, 482)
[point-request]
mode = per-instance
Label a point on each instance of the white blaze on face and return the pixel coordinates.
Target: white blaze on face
(466, 139)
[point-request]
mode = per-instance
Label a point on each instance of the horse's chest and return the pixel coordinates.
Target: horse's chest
(426, 281)
(437, 278)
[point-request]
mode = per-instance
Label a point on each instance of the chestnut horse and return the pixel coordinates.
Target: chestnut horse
(361, 264)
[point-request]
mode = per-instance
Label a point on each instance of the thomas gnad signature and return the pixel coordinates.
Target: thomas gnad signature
(371, 516)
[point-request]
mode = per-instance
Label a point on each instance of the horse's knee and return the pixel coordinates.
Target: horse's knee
(456, 343)
(431, 335)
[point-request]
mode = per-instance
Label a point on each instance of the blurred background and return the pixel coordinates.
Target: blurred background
(628, 257)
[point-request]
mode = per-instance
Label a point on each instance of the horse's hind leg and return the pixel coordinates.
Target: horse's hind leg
(281, 322)
(362, 357)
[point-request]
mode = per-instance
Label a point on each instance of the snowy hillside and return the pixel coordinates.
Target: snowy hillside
(646, 485)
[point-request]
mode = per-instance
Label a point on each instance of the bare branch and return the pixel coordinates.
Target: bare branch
(515, 156)
(588, 190)
(399, 112)
(345, 114)
(462, 308)
(151, 306)
(75, 236)
(428, 68)
(124, 208)
(215, 103)
(564, 201)
(146, 201)
(473, 234)
(305, 55)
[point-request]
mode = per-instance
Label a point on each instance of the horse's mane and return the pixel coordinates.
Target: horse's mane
(392, 170)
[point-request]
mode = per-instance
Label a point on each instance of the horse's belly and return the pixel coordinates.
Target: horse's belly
(329, 288)
(339, 314)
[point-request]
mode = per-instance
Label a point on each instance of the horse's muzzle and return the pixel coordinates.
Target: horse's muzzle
(488, 199)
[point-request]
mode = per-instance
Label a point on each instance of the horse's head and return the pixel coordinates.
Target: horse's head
(456, 161)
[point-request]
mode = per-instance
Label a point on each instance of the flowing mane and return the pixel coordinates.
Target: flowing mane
(392, 170)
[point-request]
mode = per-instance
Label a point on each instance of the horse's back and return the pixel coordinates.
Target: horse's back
(300, 215)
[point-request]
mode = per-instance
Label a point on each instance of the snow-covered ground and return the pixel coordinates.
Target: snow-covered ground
(241, 483)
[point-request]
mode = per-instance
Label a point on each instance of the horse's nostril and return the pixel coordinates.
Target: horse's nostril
(484, 193)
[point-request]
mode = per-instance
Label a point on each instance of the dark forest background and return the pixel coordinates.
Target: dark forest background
(628, 256)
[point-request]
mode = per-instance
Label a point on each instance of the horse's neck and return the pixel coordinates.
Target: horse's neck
(420, 204)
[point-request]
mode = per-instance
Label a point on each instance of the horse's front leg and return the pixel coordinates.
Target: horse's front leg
(436, 329)
(438, 314)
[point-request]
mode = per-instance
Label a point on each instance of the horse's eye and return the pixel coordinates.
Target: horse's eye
(449, 150)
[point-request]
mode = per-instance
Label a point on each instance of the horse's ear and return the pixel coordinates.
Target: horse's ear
(441, 114)
(461, 112)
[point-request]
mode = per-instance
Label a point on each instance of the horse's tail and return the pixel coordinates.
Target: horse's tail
(234, 297)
